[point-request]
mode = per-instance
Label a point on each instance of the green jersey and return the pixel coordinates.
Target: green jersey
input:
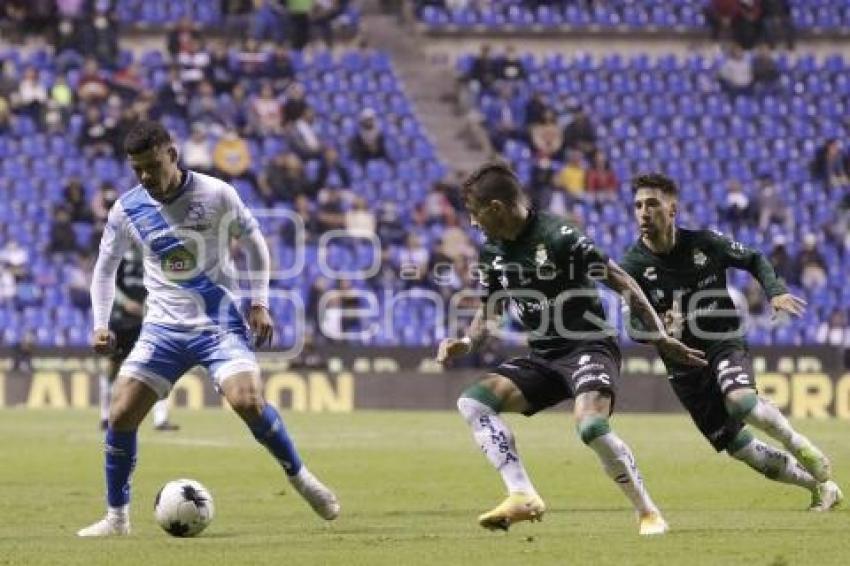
(693, 274)
(547, 273)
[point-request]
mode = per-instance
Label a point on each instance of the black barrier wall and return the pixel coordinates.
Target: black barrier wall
(803, 382)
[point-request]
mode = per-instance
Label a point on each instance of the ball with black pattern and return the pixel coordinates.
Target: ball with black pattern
(183, 508)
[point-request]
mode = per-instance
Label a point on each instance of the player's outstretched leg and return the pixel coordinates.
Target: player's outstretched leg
(747, 406)
(480, 406)
(592, 409)
(131, 401)
(242, 391)
(160, 417)
(780, 466)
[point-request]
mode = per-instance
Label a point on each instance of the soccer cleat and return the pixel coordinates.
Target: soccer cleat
(106, 527)
(652, 524)
(814, 461)
(826, 496)
(517, 507)
(318, 495)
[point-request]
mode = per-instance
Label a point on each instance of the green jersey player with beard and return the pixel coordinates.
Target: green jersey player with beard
(683, 272)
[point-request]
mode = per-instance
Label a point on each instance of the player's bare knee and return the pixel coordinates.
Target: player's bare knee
(740, 402)
(493, 390)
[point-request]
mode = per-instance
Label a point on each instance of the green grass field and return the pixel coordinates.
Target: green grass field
(411, 486)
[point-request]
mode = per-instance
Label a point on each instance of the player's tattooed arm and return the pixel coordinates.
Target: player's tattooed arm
(654, 333)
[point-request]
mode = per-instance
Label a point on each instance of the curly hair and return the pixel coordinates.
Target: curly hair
(655, 181)
(145, 135)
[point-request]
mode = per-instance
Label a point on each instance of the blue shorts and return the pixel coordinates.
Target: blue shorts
(162, 355)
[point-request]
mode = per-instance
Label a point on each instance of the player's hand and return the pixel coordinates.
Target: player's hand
(789, 303)
(673, 349)
(674, 321)
(261, 324)
(452, 347)
(103, 341)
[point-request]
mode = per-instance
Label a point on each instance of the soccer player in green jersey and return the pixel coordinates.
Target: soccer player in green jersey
(683, 272)
(547, 269)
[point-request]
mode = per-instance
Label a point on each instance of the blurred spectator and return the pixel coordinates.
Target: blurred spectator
(572, 177)
(580, 134)
(299, 22)
(437, 205)
(5, 116)
(331, 211)
(811, 265)
(719, 15)
(835, 331)
(76, 203)
(737, 208)
(324, 14)
(92, 87)
(540, 184)
(830, 165)
(251, 59)
(268, 20)
(778, 23)
(15, 259)
(413, 261)
(205, 111)
(283, 179)
(765, 69)
(455, 241)
(303, 207)
(103, 200)
(219, 73)
(747, 24)
(8, 286)
(103, 42)
(368, 142)
(782, 261)
(484, 70)
(95, 139)
(772, 207)
(736, 71)
(547, 138)
(602, 182)
(359, 219)
(61, 96)
(332, 171)
(194, 63)
(302, 136)
(535, 109)
(503, 119)
(31, 97)
(511, 68)
(391, 230)
(296, 103)
(183, 37)
(279, 68)
(266, 118)
(63, 239)
(78, 276)
(197, 151)
(172, 97)
(22, 353)
(8, 79)
(232, 158)
(233, 109)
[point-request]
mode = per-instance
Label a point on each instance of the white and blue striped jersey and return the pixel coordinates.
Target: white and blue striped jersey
(188, 270)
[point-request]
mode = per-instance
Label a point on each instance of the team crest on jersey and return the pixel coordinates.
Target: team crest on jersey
(649, 273)
(196, 211)
(541, 257)
(700, 258)
(658, 295)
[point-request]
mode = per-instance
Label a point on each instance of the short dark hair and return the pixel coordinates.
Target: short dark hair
(495, 180)
(145, 135)
(655, 181)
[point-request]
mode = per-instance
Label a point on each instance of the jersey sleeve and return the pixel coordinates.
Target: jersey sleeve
(113, 245)
(240, 221)
(737, 255)
(572, 247)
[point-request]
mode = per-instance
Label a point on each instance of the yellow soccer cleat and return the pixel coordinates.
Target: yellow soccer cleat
(652, 524)
(517, 507)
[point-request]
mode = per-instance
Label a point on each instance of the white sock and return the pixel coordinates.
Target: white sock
(160, 412)
(497, 442)
(620, 465)
(121, 513)
(769, 419)
(775, 464)
(105, 390)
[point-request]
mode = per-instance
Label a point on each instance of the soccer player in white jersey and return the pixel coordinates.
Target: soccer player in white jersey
(183, 222)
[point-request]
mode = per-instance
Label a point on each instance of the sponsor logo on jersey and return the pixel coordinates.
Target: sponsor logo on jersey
(723, 364)
(177, 263)
(650, 274)
(588, 368)
(584, 359)
(700, 258)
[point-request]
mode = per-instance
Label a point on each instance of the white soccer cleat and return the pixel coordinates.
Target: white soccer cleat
(652, 524)
(318, 495)
(106, 527)
(826, 496)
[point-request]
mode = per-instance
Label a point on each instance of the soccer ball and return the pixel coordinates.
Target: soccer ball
(183, 508)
